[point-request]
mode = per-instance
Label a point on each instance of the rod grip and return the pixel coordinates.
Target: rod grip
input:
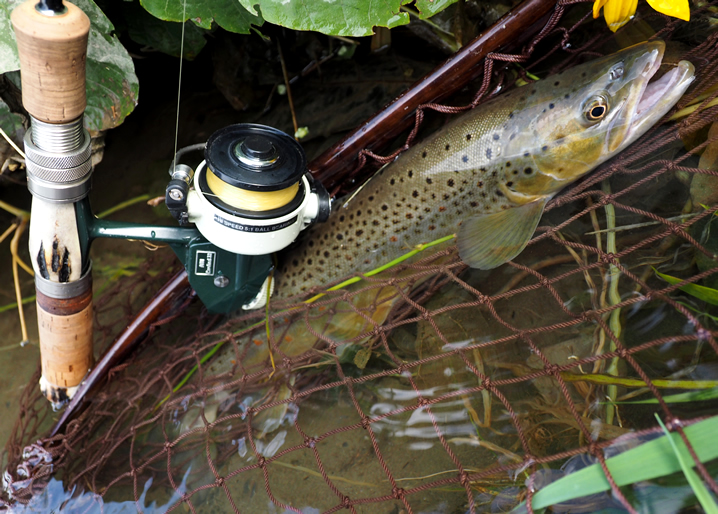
(65, 329)
(53, 51)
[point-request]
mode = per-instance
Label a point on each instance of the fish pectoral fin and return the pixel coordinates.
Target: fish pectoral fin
(489, 240)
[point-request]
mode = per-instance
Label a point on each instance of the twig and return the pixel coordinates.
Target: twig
(289, 89)
(692, 108)
(25, 267)
(598, 350)
(268, 321)
(123, 205)
(16, 279)
(660, 383)
(346, 40)
(15, 211)
(4, 236)
(8, 232)
(614, 323)
(12, 143)
(681, 218)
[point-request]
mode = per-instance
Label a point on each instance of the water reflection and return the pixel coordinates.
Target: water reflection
(55, 498)
(450, 418)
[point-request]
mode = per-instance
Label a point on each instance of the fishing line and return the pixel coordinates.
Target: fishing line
(179, 85)
(351, 197)
(250, 200)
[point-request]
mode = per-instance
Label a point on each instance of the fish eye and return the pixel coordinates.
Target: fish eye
(595, 109)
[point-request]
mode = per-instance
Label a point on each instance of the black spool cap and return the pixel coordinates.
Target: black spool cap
(257, 148)
(255, 157)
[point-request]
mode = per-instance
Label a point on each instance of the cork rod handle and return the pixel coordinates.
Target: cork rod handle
(52, 45)
(65, 328)
(53, 51)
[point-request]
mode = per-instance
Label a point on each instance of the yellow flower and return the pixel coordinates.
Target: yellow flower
(619, 12)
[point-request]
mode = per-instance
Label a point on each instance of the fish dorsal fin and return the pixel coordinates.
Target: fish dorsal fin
(489, 240)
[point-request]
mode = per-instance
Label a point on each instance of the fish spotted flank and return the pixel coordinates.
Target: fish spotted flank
(488, 175)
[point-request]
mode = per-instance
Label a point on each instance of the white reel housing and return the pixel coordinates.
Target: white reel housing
(238, 234)
(252, 194)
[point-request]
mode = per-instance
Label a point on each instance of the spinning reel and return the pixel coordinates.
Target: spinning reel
(249, 198)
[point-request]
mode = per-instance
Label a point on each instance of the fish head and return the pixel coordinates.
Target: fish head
(578, 119)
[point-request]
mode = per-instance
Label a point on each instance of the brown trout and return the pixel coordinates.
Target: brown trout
(488, 175)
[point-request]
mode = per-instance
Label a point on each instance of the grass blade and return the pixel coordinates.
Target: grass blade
(707, 294)
(699, 489)
(691, 396)
(648, 461)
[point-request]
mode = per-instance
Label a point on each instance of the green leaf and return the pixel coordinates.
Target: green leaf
(165, 36)
(699, 489)
(112, 86)
(11, 123)
(228, 14)
(333, 17)
(362, 357)
(428, 8)
(301, 133)
(9, 61)
(648, 461)
(707, 294)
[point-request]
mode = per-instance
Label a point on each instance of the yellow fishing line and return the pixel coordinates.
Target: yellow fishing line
(250, 200)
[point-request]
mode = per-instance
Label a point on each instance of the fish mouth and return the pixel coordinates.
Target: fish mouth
(660, 95)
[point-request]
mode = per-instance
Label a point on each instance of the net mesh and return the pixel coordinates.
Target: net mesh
(429, 385)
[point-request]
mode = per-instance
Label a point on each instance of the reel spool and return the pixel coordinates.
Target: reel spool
(252, 194)
(251, 197)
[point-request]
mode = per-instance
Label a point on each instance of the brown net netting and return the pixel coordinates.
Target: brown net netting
(430, 386)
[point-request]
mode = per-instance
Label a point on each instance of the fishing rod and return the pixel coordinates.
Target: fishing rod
(509, 32)
(249, 198)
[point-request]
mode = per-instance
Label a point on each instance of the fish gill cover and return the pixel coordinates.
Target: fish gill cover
(431, 386)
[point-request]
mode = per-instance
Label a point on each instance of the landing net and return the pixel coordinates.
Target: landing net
(430, 385)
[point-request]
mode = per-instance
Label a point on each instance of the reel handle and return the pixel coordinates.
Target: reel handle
(53, 50)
